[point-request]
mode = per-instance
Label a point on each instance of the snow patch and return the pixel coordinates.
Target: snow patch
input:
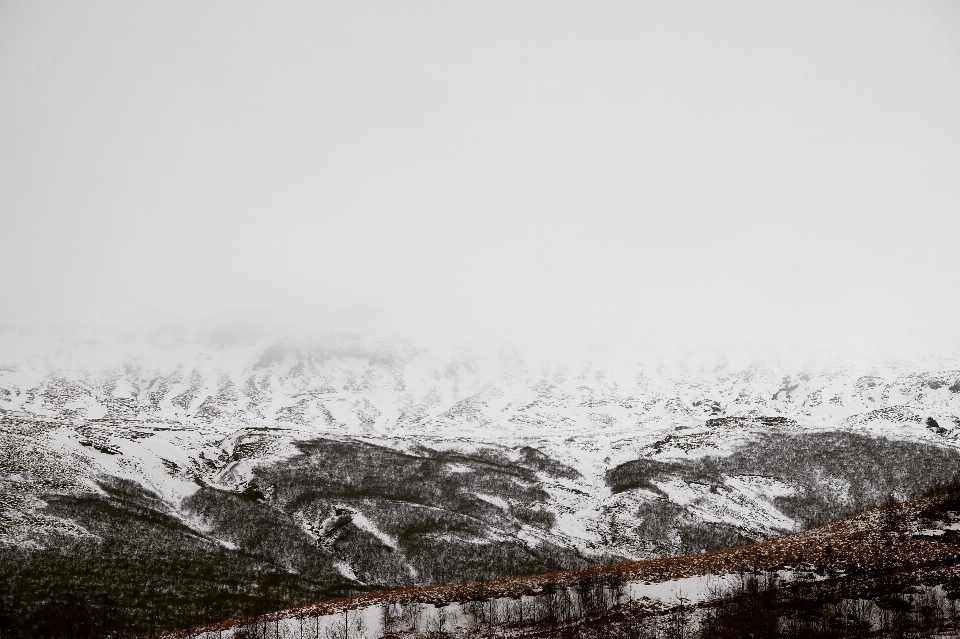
(493, 499)
(362, 522)
(344, 569)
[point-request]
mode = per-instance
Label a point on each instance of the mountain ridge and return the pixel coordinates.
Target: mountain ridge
(356, 466)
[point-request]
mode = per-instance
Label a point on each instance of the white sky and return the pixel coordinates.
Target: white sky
(739, 172)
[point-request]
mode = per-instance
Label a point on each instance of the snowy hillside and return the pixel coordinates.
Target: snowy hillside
(173, 413)
(280, 472)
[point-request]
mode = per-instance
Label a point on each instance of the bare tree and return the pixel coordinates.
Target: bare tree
(352, 626)
(412, 613)
(890, 515)
(391, 616)
(440, 621)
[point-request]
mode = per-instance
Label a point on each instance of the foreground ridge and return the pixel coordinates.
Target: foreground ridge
(882, 551)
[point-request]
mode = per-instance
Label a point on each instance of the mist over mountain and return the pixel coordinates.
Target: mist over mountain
(778, 175)
(301, 301)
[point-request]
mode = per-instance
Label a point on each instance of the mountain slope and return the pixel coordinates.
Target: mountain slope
(873, 566)
(292, 472)
(178, 413)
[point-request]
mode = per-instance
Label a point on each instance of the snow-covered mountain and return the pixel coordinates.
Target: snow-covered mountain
(373, 451)
(172, 413)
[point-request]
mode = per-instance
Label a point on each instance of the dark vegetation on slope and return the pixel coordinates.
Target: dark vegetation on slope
(432, 517)
(876, 574)
(837, 473)
(667, 529)
(146, 571)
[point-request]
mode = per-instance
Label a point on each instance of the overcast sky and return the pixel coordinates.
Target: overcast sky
(487, 171)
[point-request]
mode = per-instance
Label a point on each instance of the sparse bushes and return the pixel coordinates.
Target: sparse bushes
(748, 610)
